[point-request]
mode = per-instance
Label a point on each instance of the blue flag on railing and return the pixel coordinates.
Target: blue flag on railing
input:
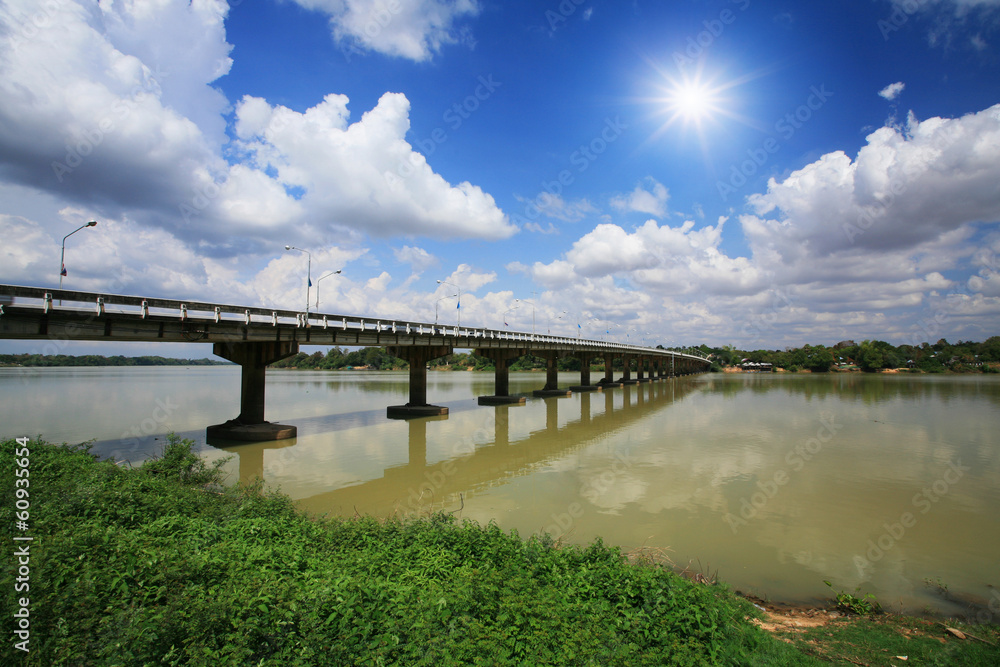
(310, 282)
(458, 305)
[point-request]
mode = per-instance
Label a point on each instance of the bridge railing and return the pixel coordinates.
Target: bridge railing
(100, 304)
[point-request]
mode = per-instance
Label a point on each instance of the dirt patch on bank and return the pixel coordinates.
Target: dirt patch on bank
(790, 618)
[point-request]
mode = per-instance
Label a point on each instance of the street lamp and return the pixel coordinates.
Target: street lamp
(436, 303)
(505, 315)
(62, 254)
(309, 282)
(558, 317)
(327, 275)
(532, 313)
(459, 307)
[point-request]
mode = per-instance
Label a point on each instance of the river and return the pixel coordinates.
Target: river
(883, 484)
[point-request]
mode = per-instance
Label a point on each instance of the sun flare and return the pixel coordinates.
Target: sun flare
(693, 101)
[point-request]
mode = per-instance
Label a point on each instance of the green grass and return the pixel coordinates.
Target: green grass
(878, 640)
(161, 565)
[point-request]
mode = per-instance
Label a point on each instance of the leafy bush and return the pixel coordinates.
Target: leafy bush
(849, 603)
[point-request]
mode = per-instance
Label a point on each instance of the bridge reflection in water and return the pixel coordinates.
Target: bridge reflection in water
(447, 465)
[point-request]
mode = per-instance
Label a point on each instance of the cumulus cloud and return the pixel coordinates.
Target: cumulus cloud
(362, 176)
(112, 105)
(414, 29)
(93, 106)
(892, 91)
(662, 259)
(905, 187)
(652, 201)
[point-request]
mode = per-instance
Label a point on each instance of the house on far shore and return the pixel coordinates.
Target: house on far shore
(755, 367)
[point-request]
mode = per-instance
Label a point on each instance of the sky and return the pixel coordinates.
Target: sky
(729, 172)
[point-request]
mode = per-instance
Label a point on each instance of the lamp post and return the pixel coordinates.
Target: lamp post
(437, 303)
(62, 254)
(327, 275)
(532, 313)
(558, 317)
(459, 307)
(309, 282)
(505, 314)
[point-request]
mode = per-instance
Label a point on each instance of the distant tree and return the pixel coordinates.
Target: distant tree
(871, 356)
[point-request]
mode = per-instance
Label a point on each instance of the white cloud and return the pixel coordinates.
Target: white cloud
(82, 113)
(903, 189)
(414, 29)
(892, 91)
(418, 258)
(554, 206)
(652, 201)
(112, 106)
(362, 176)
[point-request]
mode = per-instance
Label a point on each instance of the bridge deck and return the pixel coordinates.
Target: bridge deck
(255, 337)
(39, 313)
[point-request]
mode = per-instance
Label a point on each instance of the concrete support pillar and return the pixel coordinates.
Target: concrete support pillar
(253, 359)
(585, 359)
(417, 357)
(551, 376)
(501, 359)
(627, 370)
(640, 369)
(609, 378)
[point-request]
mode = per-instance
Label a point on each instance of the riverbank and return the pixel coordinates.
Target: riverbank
(162, 564)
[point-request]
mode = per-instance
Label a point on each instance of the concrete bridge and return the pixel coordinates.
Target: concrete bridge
(256, 337)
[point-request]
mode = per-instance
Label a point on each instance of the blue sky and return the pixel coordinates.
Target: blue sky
(761, 174)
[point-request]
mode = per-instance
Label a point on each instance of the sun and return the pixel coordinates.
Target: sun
(696, 100)
(693, 101)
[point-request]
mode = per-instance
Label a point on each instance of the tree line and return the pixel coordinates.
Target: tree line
(869, 356)
(376, 358)
(99, 360)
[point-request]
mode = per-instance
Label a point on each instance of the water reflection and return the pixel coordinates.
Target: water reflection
(482, 452)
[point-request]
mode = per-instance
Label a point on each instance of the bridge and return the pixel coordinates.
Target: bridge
(255, 337)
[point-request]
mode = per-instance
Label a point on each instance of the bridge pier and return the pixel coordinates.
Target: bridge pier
(585, 358)
(551, 376)
(640, 370)
(417, 357)
(609, 378)
(627, 370)
(253, 359)
(501, 359)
